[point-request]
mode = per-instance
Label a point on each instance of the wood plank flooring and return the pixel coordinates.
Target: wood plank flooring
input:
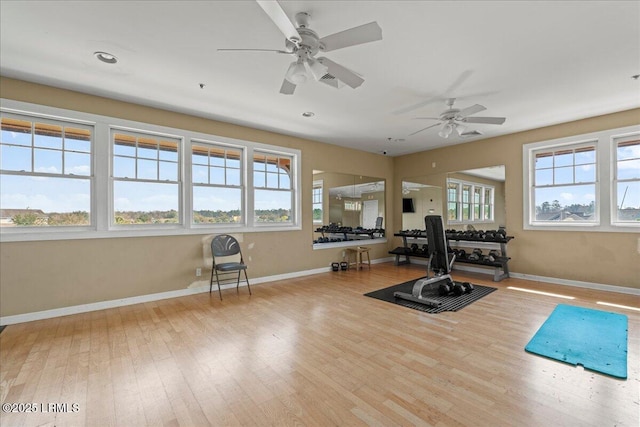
(313, 351)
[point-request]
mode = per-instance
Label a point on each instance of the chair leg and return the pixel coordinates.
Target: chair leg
(238, 284)
(211, 280)
(218, 280)
(247, 279)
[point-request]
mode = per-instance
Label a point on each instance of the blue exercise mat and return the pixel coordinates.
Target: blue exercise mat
(595, 339)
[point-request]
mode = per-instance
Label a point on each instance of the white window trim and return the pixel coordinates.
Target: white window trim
(605, 197)
(459, 202)
(319, 183)
(102, 193)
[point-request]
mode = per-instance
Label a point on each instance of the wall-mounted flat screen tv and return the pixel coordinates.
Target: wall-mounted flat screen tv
(407, 205)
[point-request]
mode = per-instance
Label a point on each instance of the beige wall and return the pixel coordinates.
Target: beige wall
(44, 275)
(599, 257)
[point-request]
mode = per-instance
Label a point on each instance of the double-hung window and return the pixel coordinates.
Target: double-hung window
(585, 182)
(626, 182)
(46, 173)
(317, 201)
(146, 178)
(217, 177)
(564, 183)
(469, 202)
(272, 187)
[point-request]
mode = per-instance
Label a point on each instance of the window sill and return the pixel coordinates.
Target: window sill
(349, 243)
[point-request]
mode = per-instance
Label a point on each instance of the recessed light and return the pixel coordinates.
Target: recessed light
(636, 77)
(105, 57)
(308, 114)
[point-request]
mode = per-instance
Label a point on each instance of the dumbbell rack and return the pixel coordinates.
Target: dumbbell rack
(500, 265)
(348, 231)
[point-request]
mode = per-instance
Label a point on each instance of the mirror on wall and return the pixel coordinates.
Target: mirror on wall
(476, 197)
(472, 196)
(346, 202)
(421, 196)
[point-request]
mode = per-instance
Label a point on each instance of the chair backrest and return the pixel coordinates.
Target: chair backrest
(224, 245)
(437, 244)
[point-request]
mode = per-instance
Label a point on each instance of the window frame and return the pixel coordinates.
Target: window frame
(242, 187)
(471, 204)
(102, 192)
(604, 187)
(64, 122)
(113, 130)
(615, 141)
(317, 192)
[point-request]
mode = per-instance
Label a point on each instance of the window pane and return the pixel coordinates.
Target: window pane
(77, 163)
(544, 160)
(168, 151)
(48, 136)
(147, 169)
(272, 180)
(233, 177)
(628, 197)
(15, 158)
(628, 150)
(124, 167)
(565, 203)
(200, 174)
(216, 176)
(272, 206)
(77, 139)
(563, 158)
(259, 180)
(563, 175)
(544, 177)
(585, 173)
(629, 169)
(217, 205)
(147, 148)
(168, 171)
(585, 155)
(145, 202)
(452, 208)
(124, 145)
(47, 161)
(200, 155)
(45, 201)
(285, 182)
(233, 159)
(216, 157)
(15, 131)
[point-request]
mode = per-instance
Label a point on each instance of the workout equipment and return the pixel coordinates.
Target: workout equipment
(439, 264)
(458, 289)
(335, 266)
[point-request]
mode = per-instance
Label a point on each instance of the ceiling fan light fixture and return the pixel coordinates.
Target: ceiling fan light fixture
(316, 69)
(446, 130)
(460, 129)
(297, 73)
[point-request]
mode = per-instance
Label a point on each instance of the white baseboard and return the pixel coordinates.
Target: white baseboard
(203, 286)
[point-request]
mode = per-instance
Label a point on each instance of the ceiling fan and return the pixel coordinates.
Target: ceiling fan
(407, 190)
(452, 118)
(304, 43)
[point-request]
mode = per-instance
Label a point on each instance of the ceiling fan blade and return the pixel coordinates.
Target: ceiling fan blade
(426, 118)
(415, 106)
(282, 21)
(254, 50)
(488, 120)
(287, 87)
(341, 73)
(357, 35)
(471, 110)
(428, 127)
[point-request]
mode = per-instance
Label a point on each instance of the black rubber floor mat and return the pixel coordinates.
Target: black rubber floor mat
(449, 303)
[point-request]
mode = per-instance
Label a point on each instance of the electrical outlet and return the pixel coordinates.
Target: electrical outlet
(198, 272)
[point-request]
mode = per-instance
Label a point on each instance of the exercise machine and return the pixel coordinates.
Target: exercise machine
(439, 264)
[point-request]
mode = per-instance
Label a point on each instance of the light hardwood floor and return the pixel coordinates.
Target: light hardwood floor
(314, 351)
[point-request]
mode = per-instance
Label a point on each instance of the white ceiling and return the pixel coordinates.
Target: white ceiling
(536, 63)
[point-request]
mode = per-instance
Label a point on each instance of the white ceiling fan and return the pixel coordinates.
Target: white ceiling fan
(452, 118)
(304, 43)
